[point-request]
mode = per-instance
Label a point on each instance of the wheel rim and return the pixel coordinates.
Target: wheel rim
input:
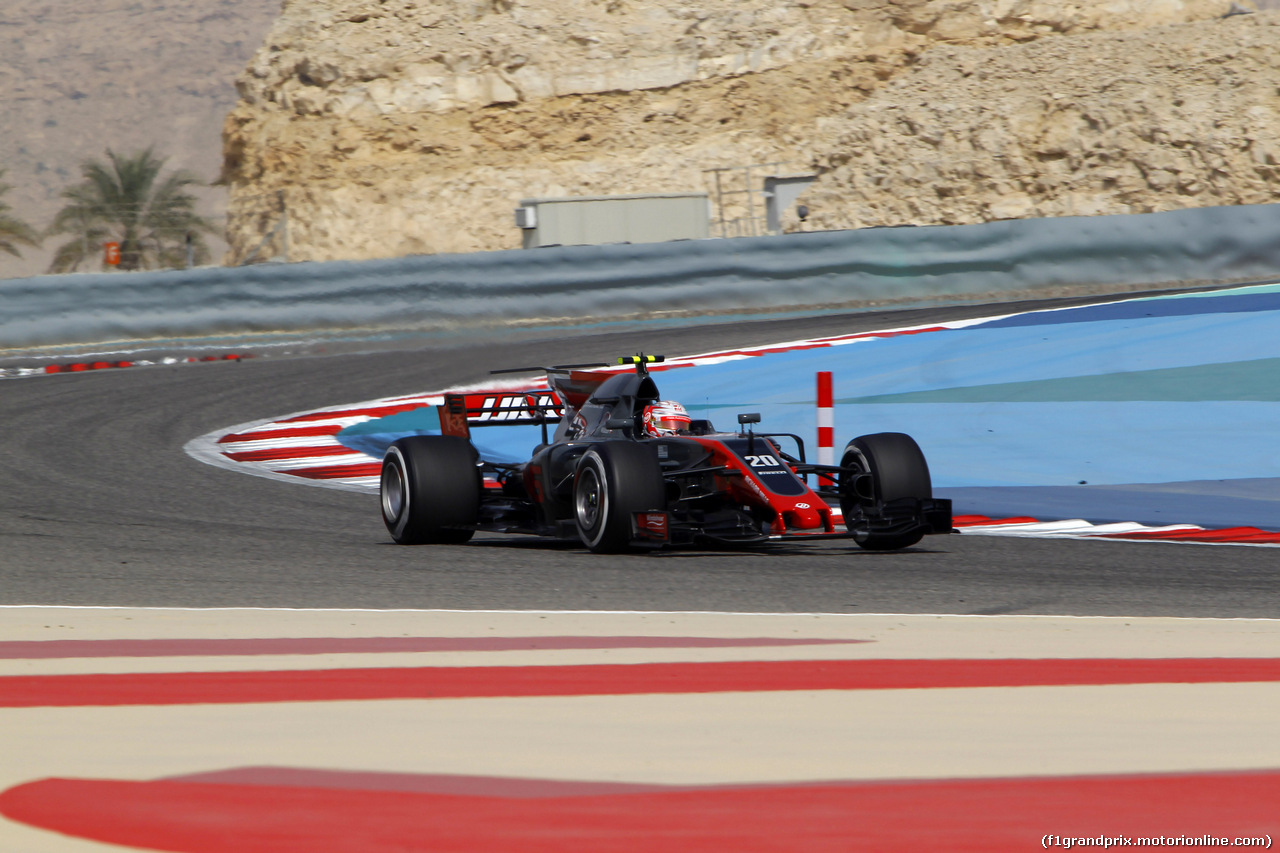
(393, 492)
(853, 459)
(850, 502)
(587, 499)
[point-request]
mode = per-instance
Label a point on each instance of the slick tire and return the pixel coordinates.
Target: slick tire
(611, 482)
(898, 470)
(430, 490)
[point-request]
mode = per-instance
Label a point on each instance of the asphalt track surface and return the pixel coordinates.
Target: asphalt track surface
(99, 505)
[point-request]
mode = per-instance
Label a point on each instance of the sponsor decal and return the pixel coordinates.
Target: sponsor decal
(523, 408)
(652, 525)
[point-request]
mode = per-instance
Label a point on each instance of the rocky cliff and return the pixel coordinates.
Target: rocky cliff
(1163, 118)
(387, 127)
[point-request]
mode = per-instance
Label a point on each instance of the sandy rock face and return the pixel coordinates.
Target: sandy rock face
(1171, 117)
(394, 127)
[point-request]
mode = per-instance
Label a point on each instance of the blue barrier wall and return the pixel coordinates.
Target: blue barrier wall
(869, 266)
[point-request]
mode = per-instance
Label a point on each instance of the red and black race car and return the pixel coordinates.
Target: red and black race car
(625, 470)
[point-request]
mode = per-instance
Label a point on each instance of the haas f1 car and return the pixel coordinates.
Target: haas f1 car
(626, 470)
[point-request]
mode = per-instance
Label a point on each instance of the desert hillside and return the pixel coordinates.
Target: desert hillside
(394, 126)
(77, 78)
(388, 127)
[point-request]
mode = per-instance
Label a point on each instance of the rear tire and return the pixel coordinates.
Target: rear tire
(612, 482)
(898, 470)
(430, 490)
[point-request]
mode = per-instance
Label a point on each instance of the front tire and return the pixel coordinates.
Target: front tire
(897, 470)
(611, 483)
(430, 490)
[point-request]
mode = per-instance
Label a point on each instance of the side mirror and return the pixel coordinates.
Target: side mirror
(620, 423)
(749, 418)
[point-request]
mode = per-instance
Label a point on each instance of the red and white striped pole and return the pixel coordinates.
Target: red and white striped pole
(826, 420)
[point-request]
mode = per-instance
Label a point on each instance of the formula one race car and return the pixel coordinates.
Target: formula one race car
(627, 470)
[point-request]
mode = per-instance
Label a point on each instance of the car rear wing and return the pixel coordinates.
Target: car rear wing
(460, 413)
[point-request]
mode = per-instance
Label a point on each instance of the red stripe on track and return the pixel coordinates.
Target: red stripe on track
(894, 334)
(419, 399)
(829, 817)
(419, 783)
(275, 454)
(819, 343)
(1238, 535)
(48, 649)
(184, 688)
(336, 472)
(1227, 534)
(915, 331)
(779, 350)
(752, 353)
(292, 432)
(982, 520)
(366, 411)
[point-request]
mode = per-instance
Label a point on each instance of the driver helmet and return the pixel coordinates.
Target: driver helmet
(666, 417)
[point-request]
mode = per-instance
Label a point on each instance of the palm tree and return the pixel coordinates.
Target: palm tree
(153, 220)
(14, 231)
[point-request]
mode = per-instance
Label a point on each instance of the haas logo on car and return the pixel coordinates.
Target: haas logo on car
(514, 407)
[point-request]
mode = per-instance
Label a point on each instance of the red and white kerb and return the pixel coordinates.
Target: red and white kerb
(826, 420)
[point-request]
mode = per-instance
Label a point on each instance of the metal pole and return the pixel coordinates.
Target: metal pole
(724, 230)
(284, 229)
